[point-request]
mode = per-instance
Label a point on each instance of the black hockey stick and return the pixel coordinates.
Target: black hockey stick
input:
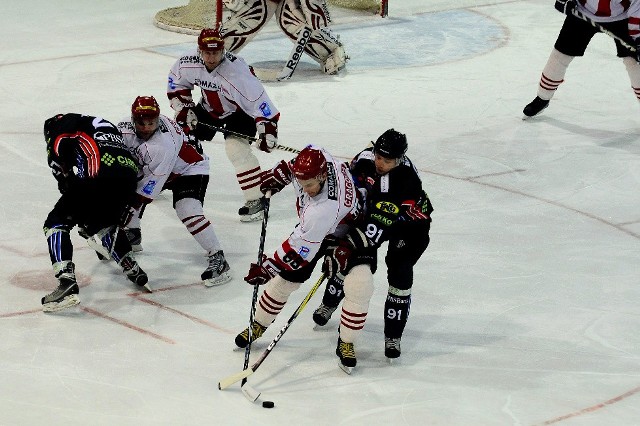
(578, 14)
(249, 138)
(254, 300)
(242, 375)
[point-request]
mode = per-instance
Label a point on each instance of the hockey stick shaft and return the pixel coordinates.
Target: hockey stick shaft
(578, 14)
(242, 375)
(249, 138)
(296, 54)
(254, 300)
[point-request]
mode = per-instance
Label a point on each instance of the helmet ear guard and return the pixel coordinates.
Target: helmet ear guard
(391, 144)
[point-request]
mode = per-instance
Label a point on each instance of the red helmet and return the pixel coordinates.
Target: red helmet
(309, 164)
(210, 40)
(145, 107)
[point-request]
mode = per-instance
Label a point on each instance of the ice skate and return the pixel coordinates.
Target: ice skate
(66, 295)
(535, 107)
(134, 235)
(134, 273)
(347, 355)
(391, 348)
(257, 330)
(322, 315)
(217, 271)
(252, 211)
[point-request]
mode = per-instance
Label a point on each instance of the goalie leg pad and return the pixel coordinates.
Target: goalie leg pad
(245, 23)
(316, 13)
(273, 298)
(246, 165)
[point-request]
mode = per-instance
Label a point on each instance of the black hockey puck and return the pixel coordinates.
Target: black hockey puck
(268, 404)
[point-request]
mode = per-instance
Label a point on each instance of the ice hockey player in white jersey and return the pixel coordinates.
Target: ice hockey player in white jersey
(167, 161)
(250, 16)
(231, 98)
(619, 17)
(328, 204)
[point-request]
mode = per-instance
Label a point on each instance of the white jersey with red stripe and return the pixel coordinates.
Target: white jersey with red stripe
(609, 10)
(163, 157)
(229, 87)
(330, 212)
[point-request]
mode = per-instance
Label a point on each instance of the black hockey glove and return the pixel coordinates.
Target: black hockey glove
(336, 258)
(565, 6)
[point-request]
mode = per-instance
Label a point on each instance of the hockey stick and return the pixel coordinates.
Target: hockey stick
(578, 14)
(254, 300)
(292, 61)
(249, 138)
(228, 381)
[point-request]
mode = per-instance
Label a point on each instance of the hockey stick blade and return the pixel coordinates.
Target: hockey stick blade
(249, 392)
(234, 378)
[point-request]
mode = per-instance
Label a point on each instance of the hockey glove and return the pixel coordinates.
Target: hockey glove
(134, 209)
(261, 274)
(336, 259)
(565, 6)
(267, 135)
(276, 179)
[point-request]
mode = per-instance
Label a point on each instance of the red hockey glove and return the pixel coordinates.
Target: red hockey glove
(186, 117)
(261, 274)
(267, 135)
(276, 179)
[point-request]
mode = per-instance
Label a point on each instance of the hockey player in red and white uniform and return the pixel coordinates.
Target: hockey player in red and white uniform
(328, 203)
(250, 16)
(231, 97)
(620, 17)
(168, 161)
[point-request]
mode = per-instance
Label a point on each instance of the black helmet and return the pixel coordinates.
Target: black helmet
(391, 144)
(50, 125)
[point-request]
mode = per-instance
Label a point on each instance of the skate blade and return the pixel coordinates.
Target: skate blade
(67, 302)
(252, 217)
(146, 288)
(219, 280)
(344, 368)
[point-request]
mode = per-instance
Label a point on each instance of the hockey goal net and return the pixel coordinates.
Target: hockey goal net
(199, 14)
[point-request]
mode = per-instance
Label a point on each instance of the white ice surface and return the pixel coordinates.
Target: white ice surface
(525, 305)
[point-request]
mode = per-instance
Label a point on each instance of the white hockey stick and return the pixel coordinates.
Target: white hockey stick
(249, 392)
(292, 62)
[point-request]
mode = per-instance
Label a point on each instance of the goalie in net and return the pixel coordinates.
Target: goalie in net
(250, 16)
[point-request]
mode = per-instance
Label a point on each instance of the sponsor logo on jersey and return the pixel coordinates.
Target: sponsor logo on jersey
(148, 188)
(387, 207)
(108, 137)
(349, 186)
(127, 162)
(209, 85)
(303, 252)
(382, 219)
(172, 85)
(332, 182)
(190, 59)
(266, 110)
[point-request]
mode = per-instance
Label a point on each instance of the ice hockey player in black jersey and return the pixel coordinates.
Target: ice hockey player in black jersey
(96, 177)
(398, 211)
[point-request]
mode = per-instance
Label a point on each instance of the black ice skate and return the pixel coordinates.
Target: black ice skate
(391, 348)
(257, 330)
(66, 295)
(252, 210)
(535, 107)
(322, 315)
(217, 271)
(134, 235)
(134, 273)
(347, 355)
